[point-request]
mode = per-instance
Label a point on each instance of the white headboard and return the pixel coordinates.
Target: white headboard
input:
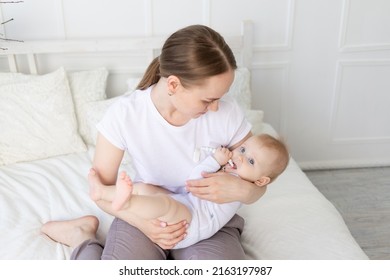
(123, 57)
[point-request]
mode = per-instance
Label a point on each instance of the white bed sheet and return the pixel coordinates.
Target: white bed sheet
(36, 192)
(293, 220)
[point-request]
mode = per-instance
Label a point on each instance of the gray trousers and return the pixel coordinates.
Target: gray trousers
(125, 242)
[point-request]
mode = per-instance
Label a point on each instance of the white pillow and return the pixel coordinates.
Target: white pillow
(240, 90)
(14, 78)
(94, 112)
(37, 117)
(87, 86)
(255, 117)
(132, 83)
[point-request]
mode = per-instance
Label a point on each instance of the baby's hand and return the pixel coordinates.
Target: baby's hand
(222, 155)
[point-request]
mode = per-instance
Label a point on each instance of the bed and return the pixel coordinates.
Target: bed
(51, 97)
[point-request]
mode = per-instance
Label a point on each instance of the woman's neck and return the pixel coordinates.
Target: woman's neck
(163, 104)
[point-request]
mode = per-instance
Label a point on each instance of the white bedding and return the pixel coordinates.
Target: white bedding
(292, 221)
(35, 192)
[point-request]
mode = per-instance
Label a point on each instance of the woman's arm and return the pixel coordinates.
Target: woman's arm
(107, 160)
(222, 188)
(106, 163)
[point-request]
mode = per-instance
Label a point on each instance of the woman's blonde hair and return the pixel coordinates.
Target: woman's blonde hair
(192, 54)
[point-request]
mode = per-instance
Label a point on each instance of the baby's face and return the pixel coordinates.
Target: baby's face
(249, 160)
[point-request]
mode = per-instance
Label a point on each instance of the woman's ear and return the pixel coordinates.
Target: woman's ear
(263, 181)
(173, 83)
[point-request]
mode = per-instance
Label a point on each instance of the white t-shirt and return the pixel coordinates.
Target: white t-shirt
(162, 154)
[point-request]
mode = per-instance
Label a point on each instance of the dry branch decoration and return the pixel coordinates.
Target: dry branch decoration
(2, 37)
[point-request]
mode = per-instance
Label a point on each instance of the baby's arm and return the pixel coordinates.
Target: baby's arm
(222, 155)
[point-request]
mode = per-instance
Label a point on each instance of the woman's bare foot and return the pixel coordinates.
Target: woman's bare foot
(73, 232)
(95, 185)
(124, 188)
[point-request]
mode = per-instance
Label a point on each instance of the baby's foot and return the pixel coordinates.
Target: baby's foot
(124, 188)
(95, 185)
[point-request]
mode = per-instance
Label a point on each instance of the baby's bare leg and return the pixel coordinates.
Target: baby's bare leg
(146, 202)
(148, 189)
(124, 188)
(120, 193)
(159, 206)
(97, 190)
(152, 202)
(117, 194)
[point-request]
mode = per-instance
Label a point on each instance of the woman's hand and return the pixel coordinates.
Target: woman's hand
(221, 187)
(165, 236)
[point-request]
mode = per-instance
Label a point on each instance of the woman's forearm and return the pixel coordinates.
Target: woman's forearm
(223, 188)
(251, 193)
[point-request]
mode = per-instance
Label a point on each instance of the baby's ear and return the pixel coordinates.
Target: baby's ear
(263, 181)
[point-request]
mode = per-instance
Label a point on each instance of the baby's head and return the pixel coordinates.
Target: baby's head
(260, 159)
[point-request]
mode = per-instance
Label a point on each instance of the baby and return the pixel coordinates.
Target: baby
(260, 160)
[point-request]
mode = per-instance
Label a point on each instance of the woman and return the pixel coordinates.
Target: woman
(176, 109)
